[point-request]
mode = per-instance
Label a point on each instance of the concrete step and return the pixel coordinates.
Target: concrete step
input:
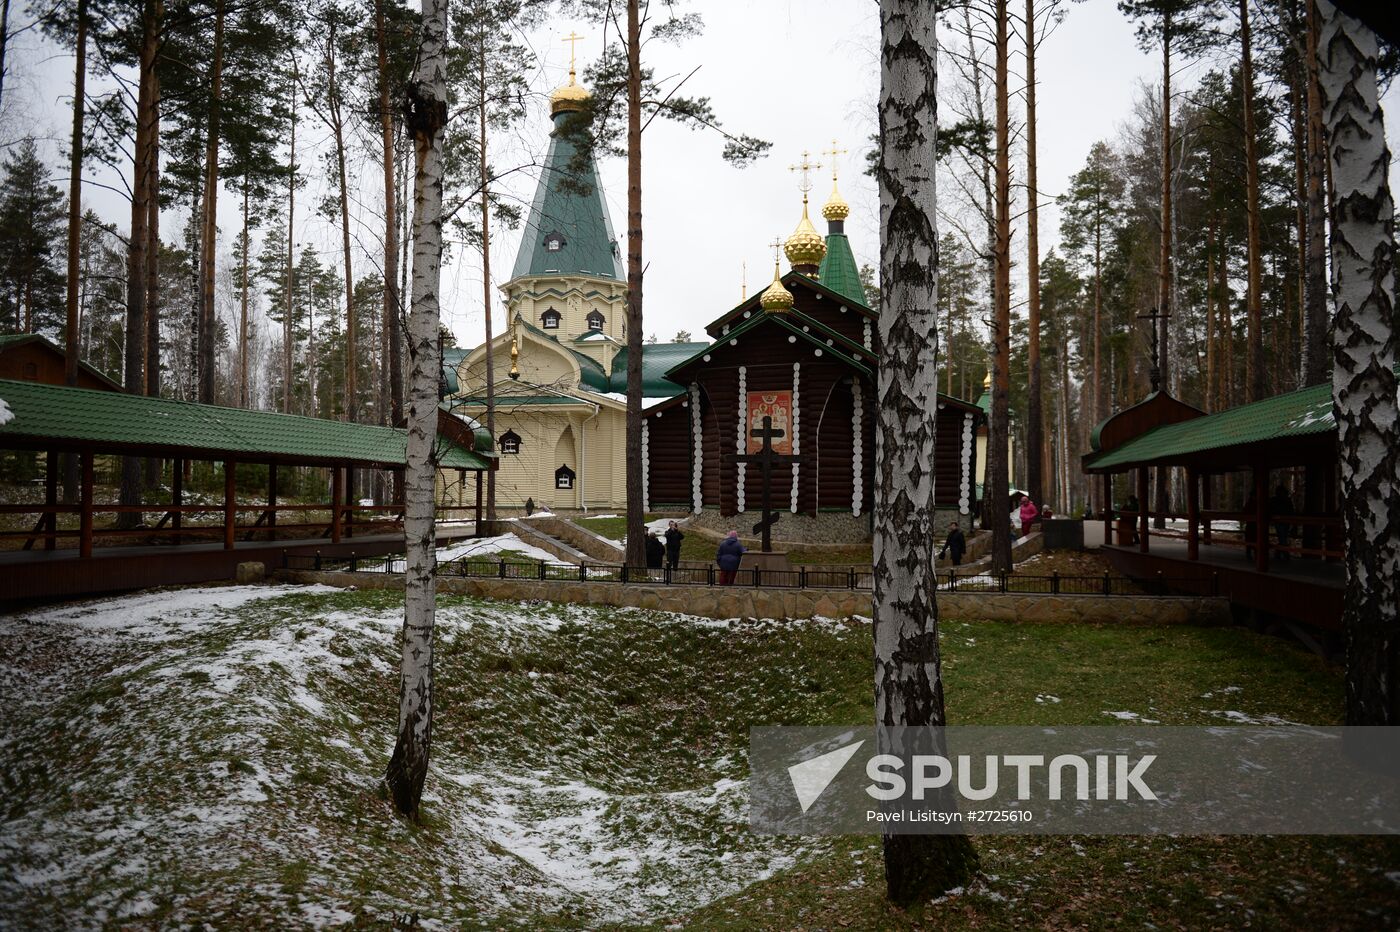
(597, 548)
(536, 537)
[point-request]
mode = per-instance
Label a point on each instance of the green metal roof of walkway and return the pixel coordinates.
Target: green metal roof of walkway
(58, 417)
(1296, 415)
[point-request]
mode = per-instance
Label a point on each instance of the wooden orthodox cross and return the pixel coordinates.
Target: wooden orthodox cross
(765, 459)
(1156, 373)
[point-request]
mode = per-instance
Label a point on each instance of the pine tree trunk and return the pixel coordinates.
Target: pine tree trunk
(998, 467)
(908, 667)
(486, 277)
(153, 464)
(243, 311)
(1316, 364)
(209, 238)
(426, 119)
(134, 364)
(393, 376)
(636, 518)
(288, 331)
(336, 112)
(1035, 425)
(1363, 346)
(1164, 269)
(72, 347)
(1254, 306)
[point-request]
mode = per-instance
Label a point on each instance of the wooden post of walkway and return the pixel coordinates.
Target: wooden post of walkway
(1261, 517)
(230, 471)
(1193, 514)
(476, 526)
(1205, 504)
(335, 504)
(85, 507)
(50, 522)
(1108, 508)
(349, 501)
(177, 496)
(271, 501)
(1142, 508)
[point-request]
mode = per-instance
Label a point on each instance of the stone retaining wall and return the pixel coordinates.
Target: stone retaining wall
(742, 602)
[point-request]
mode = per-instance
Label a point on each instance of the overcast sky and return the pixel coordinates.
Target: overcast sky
(798, 74)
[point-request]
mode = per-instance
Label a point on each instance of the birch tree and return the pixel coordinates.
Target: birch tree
(908, 670)
(1363, 352)
(425, 118)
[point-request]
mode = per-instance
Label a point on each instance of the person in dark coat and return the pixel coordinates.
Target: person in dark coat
(673, 545)
(955, 543)
(656, 551)
(728, 555)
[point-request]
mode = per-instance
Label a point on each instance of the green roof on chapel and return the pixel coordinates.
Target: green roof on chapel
(838, 270)
(579, 222)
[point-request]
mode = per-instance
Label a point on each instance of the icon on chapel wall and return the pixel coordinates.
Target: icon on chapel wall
(554, 242)
(775, 405)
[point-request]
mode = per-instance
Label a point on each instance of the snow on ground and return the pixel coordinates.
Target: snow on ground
(484, 547)
(204, 755)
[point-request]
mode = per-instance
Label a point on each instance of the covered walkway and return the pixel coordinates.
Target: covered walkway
(1279, 550)
(50, 556)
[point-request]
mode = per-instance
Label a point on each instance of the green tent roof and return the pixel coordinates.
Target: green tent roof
(115, 421)
(838, 270)
(576, 221)
(1303, 413)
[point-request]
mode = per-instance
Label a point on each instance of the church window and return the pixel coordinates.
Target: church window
(510, 443)
(595, 320)
(550, 319)
(553, 242)
(563, 478)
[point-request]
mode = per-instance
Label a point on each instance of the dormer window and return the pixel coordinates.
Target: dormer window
(553, 242)
(550, 319)
(595, 320)
(510, 443)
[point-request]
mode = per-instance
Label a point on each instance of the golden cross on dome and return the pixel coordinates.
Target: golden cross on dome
(805, 167)
(777, 245)
(573, 39)
(834, 151)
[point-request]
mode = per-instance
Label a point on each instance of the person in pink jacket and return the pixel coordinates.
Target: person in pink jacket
(1028, 513)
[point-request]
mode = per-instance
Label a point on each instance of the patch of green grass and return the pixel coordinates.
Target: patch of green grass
(646, 710)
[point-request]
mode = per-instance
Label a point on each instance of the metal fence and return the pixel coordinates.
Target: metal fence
(803, 577)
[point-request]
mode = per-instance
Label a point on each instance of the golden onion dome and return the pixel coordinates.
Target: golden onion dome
(805, 246)
(775, 297)
(569, 98)
(836, 207)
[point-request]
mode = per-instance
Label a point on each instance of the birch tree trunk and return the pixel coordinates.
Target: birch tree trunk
(636, 517)
(1363, 350)
(908, 669)
(425, 117)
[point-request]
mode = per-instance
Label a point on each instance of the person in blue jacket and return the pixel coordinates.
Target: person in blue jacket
(728, 556)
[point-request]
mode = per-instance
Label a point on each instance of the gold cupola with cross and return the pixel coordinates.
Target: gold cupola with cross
(571, 97)
(806, 247)
(776, 299)
(835, 210)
